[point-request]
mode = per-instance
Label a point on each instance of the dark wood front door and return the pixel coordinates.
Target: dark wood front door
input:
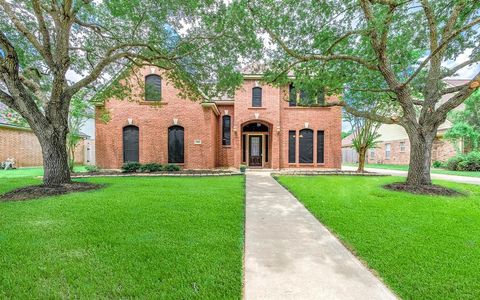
(255, 151)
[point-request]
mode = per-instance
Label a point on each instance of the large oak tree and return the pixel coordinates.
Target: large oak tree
(43, 44)
(395, 51)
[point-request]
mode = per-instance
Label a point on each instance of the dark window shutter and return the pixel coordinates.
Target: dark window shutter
(257, 97)
(130, 144)
(291, 146)
(292, 100)
(320, 147)
(176, 145)
(306, 146)
(226, 129)
(153, 88)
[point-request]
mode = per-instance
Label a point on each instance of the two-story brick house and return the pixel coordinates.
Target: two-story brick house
(261, 126)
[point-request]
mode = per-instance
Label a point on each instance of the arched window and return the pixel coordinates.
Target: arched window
(257, 97)
(153, 88)
(176, 145)
(306, 146)
(226, 129)
(130, 143)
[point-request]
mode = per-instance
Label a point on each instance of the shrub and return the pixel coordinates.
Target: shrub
(243, 168)
(130, 167)
(151, 167)
(437, 164)
(466, 162)
(452, 163)
(171, 168)
(92, 169)
(471, 162)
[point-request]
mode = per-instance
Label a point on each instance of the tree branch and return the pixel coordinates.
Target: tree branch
(316, 57)
(42, 27)
(460, 96)
(27, 33)
(6, 98)
(365, 114)
(458, 67)
(440, 47)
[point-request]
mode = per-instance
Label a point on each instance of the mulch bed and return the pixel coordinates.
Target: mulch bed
(40, 191)
(434, 190)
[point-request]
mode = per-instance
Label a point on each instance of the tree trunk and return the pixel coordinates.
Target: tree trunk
(362, 154)
(420, 159)
(55, 158)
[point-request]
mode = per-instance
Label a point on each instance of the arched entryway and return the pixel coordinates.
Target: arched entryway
(256, 144)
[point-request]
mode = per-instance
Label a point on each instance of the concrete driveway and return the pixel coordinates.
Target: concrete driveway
(454, 178)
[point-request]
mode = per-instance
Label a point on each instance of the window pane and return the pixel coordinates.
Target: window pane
(153, 88)
(266, 148)
(226, 126)
(292, 101)
(320, 147)
(176, 144)
(291, 146)
(306, 146)
(130, 144)
(244, 148)
(257, 97)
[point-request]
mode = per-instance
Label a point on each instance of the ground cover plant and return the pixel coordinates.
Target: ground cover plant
(139, 237)
(432, 170)
(423, 247)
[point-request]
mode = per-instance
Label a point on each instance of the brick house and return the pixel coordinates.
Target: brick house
(21, 144)
(261, 126)
(394, 146)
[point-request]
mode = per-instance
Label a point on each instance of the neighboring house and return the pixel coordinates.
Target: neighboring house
(349, 154)
(394, 146)
(21, 144)
(260, 126)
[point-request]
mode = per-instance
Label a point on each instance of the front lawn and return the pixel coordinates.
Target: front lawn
(30, 172)
(424, 247)
(168, 238)
(432, 170)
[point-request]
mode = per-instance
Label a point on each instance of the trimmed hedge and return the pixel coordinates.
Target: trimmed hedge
(465, 162)
(132, 167)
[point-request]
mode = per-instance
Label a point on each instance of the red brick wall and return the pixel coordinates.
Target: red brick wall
(203, 123)
(153, 122)
(328, 119)
(23, 146)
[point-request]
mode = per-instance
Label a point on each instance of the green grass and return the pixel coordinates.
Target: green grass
(433, 170)
(30, 172)
(168, 238)
(424, 247)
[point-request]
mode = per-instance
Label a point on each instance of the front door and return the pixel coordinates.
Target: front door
(255, 151)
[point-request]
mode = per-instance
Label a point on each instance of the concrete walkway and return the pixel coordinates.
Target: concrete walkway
(290, 255)
(454, 178)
